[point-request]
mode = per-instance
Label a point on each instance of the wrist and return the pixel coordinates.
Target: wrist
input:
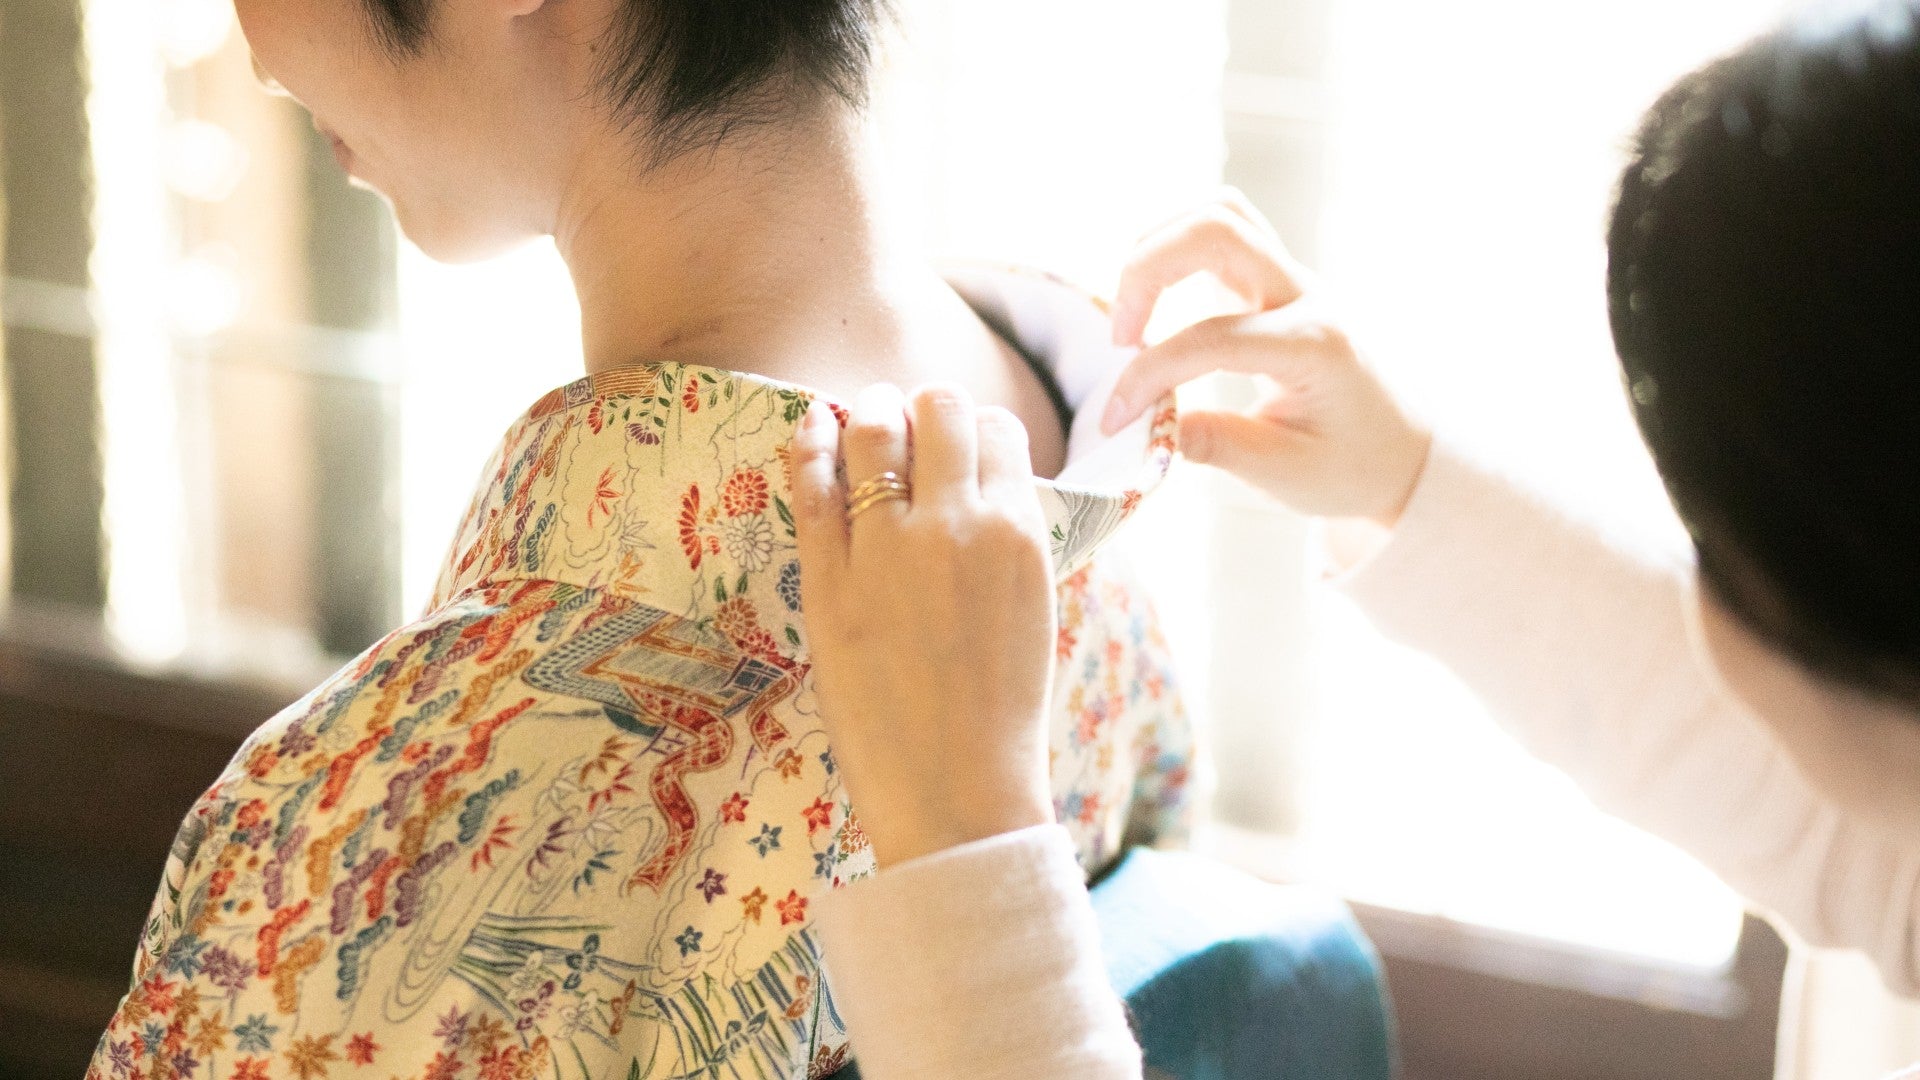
(939, 829)
(1419, 447)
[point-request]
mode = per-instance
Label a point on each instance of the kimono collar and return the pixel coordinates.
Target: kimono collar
(654, 431)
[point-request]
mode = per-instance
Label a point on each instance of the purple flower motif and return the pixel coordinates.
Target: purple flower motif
(225, 970)
(184, 1064)
(410, 889)
(272, 881)
(689, 941)
(120, 1054)
(296, 742)
(453, 1027)
(714, 884)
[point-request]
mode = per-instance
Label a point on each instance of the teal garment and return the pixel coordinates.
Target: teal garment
(1231, 978)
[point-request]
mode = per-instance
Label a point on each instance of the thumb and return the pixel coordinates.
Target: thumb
(1258, 451)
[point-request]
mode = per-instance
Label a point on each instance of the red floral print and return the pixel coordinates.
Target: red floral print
(603, 496)
(1063, 642)
(818, 815)
(793, 909)
(690, 541)
(826, 1062)
(737, 619)
(745, 492)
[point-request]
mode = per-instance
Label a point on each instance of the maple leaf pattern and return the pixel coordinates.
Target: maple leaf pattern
(311, 1057)
(560, 778)
(361, 1048)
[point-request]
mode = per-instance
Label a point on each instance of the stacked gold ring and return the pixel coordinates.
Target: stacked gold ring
(886, 487)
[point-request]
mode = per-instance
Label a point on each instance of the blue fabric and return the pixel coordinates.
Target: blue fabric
(1231, 978)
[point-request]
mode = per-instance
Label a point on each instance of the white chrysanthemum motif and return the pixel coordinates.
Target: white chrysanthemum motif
(750, 542)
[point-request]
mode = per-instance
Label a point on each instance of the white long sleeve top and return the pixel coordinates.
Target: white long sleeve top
(983, 961)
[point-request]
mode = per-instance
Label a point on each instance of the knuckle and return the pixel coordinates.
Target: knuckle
(1000, 424)
(1007, 528)
(871, 432)
(1217, 226)
(946, 398)
(815, 507)
(1210, 335)
(1328, 336)
(934, 546)
(814, 456)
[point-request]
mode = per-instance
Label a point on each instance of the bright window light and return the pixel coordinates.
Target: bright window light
(1475, 147)
(132, 258)
(479, 344)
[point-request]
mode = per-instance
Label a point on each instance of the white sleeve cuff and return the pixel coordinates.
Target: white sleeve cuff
(981, 961)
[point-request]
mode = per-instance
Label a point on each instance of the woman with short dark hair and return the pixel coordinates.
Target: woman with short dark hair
(571, 821)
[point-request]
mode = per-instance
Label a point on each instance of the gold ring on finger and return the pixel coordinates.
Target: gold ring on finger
(887, 487)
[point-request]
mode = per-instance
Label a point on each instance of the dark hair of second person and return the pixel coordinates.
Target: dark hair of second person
(1764, 287)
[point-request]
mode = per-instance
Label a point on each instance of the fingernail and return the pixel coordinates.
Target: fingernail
(1116, 416)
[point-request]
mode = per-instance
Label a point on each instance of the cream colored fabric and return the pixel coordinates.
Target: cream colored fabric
(1010, 985)
(1843, 1024)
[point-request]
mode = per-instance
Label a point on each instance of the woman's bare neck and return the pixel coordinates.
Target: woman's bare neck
(777, 256)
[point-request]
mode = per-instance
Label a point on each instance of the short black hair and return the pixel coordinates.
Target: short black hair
(1764, 294)
(686, 74)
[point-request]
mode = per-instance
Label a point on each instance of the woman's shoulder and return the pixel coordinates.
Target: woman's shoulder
(656, 481)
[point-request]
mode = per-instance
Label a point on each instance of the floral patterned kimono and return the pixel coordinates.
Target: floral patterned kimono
(568, 824)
